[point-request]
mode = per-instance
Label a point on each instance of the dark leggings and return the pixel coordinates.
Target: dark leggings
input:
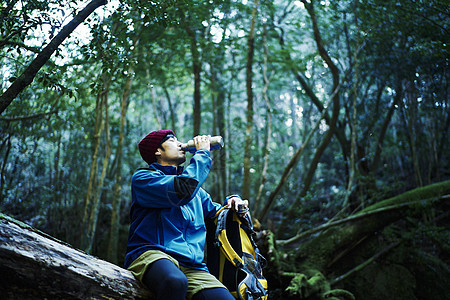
(214, 293)
(168, 282)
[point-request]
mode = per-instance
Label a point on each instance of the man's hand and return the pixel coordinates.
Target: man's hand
(202, 142)
(238, 205)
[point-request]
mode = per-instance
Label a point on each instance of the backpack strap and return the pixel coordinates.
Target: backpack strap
(221, 237)
(221, 240)
(255, 290)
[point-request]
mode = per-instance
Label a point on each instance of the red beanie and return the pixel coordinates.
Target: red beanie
(150, 143)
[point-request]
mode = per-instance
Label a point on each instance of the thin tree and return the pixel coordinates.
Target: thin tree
(249, 81)
(99, 124)
(93, 218)
(196, 69)
(115, 214)
(268, 124)
(352, 122)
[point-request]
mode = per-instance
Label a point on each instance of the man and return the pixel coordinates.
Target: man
(165, 248)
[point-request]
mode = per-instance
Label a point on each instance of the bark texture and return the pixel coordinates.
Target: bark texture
(34, 265)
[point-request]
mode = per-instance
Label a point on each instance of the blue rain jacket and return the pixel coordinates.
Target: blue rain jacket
(168, 211)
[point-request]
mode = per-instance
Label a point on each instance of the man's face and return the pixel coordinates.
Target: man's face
(171, 154)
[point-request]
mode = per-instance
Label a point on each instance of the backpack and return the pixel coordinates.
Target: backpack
(233, 256)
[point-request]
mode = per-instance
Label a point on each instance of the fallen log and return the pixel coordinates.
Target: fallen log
(34, 265)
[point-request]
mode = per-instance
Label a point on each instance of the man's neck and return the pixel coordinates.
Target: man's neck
(168, 163)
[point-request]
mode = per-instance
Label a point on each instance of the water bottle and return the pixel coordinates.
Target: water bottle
(215, 141)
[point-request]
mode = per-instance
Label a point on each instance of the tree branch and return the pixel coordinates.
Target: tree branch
(23, 118)
(30, 72)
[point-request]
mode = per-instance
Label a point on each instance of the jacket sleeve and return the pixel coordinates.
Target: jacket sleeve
(154, 189)
(210, 207)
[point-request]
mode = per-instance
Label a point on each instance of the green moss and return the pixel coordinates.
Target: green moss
(430, 191)
(338, 294)
(272, 251)
(316, 287)
(306, 287)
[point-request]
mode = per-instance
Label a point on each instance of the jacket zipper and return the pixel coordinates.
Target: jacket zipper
(190, 219)
(160, 230)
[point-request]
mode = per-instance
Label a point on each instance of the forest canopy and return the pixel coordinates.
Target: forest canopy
(327, 108)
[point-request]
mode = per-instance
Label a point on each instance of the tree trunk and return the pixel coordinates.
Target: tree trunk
(352, 121)
(387, 120)
(196, 69)
(290, 166)
(30, 72)
(115, 214)
(221, 100)
(216, 189)
(34, 265)
(218, 102)
(93, 186)
(268, 127)
(336, 104)
(172, 111)
(409, 111)
(7, 143)
(249, 81)
(93, 171)
(333, 122)
(92, 225)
